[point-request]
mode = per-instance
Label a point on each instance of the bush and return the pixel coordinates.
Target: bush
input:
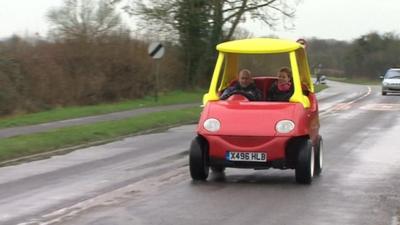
(38, 75)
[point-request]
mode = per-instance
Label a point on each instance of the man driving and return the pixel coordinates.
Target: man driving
(244, 86)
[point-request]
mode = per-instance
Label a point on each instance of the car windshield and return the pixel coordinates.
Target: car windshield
(262, 65)
(392, 74)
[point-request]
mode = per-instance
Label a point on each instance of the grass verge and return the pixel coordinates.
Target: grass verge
(19, 146)
(363, 81)
(319, 87)
(175, 97)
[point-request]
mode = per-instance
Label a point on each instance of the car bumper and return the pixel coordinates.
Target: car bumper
(394, 89)
(280, 164)
(274, 147)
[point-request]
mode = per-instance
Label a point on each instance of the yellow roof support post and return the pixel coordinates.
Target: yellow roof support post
(298, 94)
(230, 71)
(304, 71)
(212, 95)
(308, 71)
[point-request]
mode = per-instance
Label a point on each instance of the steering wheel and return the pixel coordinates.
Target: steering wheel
(247, 95)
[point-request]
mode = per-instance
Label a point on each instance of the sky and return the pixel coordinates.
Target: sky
(325, 19)
(25, 16)
(343, 19)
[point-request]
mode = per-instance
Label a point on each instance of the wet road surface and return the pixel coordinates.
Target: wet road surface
(145, 179)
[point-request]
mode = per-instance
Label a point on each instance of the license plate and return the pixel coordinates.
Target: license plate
(246, 156)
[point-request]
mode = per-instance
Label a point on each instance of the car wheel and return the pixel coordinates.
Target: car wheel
(384, 93)
(198, 159)
(305, 163)
(318, 157)
(217, 169)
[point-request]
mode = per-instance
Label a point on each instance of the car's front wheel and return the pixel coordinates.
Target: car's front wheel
(198, 159)
(384, 93)
(305, 163)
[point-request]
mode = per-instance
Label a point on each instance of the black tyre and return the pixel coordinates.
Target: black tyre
(384, 93)
(198, 159)
(319, 157)
(305, 163)
(217, 169)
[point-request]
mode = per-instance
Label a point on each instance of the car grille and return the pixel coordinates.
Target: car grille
(249, 141)
(393, 86)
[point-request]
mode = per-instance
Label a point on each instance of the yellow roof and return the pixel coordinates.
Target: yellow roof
(258, 46)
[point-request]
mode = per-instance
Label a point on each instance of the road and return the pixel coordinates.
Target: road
(145, 179)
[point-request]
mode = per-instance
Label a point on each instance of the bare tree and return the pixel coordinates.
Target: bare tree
(201, 24)
(84, 19)
(271, 12)
(224, 14)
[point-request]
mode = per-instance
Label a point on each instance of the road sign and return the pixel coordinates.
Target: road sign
(156, 50)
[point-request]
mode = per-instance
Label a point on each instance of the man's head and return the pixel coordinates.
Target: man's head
(244, 78)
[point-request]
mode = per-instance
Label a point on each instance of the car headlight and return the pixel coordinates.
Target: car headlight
(385, 83)
(284, 126)
(212, 125)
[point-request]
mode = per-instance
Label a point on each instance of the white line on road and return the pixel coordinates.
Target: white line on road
(346, 105)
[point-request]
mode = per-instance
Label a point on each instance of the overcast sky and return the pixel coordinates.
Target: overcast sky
(337, 19)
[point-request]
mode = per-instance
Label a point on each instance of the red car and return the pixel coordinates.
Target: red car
(239, 133)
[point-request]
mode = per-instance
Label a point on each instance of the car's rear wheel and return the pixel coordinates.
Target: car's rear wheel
(318, 157)
(198, 159)
(305, 163)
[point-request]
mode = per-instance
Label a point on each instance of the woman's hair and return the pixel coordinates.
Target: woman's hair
(286, 70)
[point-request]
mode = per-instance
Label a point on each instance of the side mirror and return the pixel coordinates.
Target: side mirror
(381, 77)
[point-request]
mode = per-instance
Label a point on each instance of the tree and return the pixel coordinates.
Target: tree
(328, 52)
(192, 25)
(372, 54)
(84, 20)
(201, 24)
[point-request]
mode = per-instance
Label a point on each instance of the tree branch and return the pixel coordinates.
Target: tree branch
(237, 19)
(247, 9)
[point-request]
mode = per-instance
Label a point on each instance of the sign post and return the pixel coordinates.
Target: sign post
(156, 50)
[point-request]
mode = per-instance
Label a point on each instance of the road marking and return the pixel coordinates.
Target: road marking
(381, 107)
(361, 97)
(396, 218)
(341, 107)
(346, 105)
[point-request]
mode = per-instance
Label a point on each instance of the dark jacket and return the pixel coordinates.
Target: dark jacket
(251, 92)
(274, 94)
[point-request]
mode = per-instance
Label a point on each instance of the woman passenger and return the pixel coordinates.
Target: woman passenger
(282, 89)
